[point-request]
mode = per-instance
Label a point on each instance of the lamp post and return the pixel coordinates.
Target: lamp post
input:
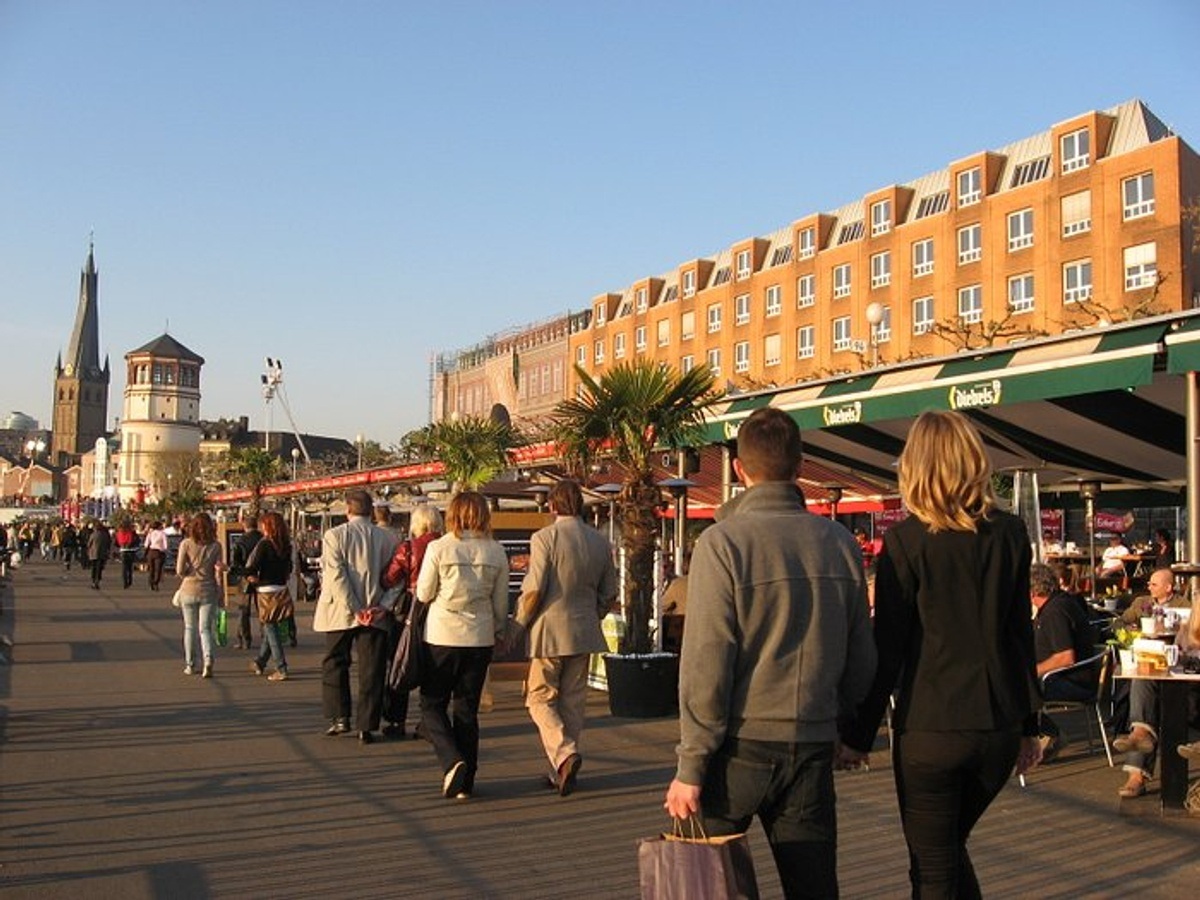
(271, 380)
(33, 447)
(835, 497)
(295, 460)
(358, 442)
(874, 319)
(1089, 490)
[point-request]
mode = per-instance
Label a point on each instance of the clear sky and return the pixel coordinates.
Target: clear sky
(352, 186)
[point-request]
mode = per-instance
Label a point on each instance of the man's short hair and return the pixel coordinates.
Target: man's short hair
(769, 446)
(1043, 580)
(358, 503)
(251, 522)
(566, 498)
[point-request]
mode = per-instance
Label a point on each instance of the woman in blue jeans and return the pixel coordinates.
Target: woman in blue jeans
(268, 569)
(199, 565)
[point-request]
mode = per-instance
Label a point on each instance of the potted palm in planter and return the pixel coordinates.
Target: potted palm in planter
(627, 414)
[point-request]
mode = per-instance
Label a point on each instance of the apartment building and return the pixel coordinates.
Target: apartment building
(1079, 226)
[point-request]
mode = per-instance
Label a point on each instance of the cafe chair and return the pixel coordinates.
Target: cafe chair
(1099, 668)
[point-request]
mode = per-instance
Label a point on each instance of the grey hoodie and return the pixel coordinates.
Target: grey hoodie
(778, 633)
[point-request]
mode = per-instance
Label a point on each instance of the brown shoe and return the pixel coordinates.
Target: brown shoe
(567, 771)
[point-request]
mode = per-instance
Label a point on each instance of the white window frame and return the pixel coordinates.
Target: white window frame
(1140, 264)
(922, 257)
(881, 269)
(741, 309)
(1021, 295)
(714, 318)
(1020, 229)
(973, 253)
(581, 355)
(808, 243)
(687, 362)
(1075, 150)
(639, 339)
(687, 325)
(1080, 224)
(806, 291)
(922, 315)
(883, 331)
(774, 301)
(842, 281)
(806, 344)
(662, 332)
(1141, 204)
(1077, 280)
(598, 318)
(742, 265)
(772, 350)
(598, 352)
(619, 346)
(973, 313)
(689, 283)
(641, 301)
(881, 217)
(842, 334)
(970, 186)
(713, 358)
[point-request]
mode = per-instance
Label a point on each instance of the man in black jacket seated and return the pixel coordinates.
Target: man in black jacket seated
(1062, 636)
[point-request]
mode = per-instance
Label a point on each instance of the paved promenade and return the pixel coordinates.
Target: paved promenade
(123, 778)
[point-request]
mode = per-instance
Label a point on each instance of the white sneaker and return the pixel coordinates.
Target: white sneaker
(188, 670)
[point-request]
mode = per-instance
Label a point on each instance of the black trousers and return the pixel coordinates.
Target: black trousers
(128, 558)
(395, 703)
(945, 780)
(370, 645)
(450, 704)
(154, 562)
(97, 570)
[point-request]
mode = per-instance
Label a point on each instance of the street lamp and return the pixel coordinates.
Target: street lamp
(271, 381)
(875, 319)
(358, 441)
(33, 448)
(295, 460)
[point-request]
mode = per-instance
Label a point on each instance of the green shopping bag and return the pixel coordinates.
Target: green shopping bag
(222, 628)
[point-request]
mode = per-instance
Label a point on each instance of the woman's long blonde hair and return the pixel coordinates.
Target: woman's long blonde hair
(945, 474)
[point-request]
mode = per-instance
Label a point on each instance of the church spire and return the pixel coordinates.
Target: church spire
(83, 355)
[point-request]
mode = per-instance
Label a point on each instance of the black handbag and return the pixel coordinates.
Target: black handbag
(409, 662)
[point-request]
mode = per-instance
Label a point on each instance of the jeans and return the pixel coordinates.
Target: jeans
(945, 780)
(272, 647)
(450, 704)
(790, 788)
(128, 558)
(193, 609)
(369, 647)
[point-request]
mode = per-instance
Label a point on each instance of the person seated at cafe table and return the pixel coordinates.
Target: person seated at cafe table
(1164, 549)
(1062, 635)
(1161, 586)
(1140, 746)
(1112, 560)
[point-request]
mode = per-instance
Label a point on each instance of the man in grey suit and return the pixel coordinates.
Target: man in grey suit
(568, 589)
(354, 557)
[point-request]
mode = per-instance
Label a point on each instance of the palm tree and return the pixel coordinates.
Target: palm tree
(632, 410)
(473, 449)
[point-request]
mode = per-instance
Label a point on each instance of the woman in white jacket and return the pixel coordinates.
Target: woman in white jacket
(464, 579)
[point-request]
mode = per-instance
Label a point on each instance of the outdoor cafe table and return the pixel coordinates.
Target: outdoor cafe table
(1172, 730)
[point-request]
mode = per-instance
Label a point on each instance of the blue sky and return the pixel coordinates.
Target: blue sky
(352, 186)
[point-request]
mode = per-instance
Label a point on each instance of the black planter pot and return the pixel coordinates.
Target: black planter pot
(643, 687)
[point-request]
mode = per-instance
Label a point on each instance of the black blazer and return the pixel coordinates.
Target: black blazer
(953, 628)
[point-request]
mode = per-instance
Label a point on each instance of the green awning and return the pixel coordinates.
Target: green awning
(1183, 347)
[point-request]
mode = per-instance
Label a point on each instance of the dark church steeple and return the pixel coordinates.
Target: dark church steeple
(80, 383)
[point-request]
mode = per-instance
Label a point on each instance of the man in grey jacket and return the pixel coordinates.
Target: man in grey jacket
(776, 643)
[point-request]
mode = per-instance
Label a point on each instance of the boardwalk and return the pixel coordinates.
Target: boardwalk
(123, 778)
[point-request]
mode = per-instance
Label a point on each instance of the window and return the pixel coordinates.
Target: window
(806, 291)
(1075, 150)
(970, 304)
(581, 355)
(881, 217)
(639, 338)
(883, 331)
(970, 186)
(157, 376)
(598, 352)
(671, 294)
(1020, 293)
(743, 265)
(558, 377)
(771, 350)
(1141, 266)
(598, 319)
(933, 204)
(841, 281)
(970, 244)
(689, 283)
(805, 345)
(1139, 195)
(922, 257)
(808, 243)
(922, 316)
(714, 318)
(687, 325)
(624, 309)
(781, 255)
(741, 309)
(546, 378)
(664, 332)
(641, 302)
(687, 363)
(721, 277)
(1028, 172)
(881, 269)
(714, 360)
(1076, 213)
(774, 301)
(1020, 230)
(1077, 281)
(841, 333)
(851, 232)
(618, 346)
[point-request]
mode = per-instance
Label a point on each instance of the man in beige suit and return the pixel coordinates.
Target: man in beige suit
(354, 557)
(568, 589)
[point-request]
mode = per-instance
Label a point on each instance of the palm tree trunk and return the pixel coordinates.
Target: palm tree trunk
(639, 530)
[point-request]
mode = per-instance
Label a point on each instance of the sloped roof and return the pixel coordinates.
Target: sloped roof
(166, 347)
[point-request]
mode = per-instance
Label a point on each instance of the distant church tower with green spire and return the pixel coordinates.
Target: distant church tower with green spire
(80, 383)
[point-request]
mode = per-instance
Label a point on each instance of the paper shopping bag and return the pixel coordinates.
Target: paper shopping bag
(673, 867)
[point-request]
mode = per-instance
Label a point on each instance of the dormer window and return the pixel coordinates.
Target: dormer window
(743, 265)
(1075, 150)
(970, 186)
(881, 217)
(808, 243)
(640, 302)
(598, 318)
(689, 283)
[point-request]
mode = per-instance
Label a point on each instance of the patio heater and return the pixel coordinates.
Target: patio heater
(610, 491)
(678, 488)
(540, 492)
(835, 497)
(1089, 490)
